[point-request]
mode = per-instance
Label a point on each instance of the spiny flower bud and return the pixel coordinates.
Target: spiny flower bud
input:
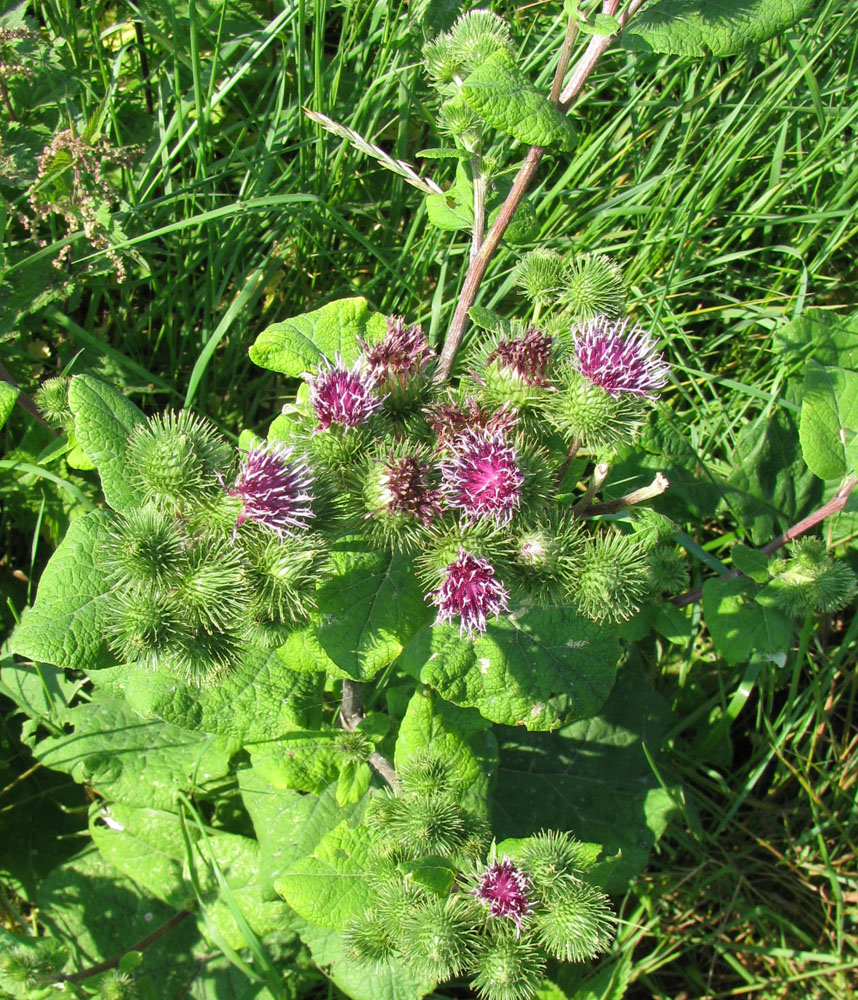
(619, 360)
(588, 415)
(281, 578)
(482, 477)
(544, 556)
(667, 569)
(31, 967)
(577, 925)
(809, 581)
(539, 274)
(477, 35)
(470, 593)
(611, 578)
(525, 357)
(426, 773)
(52, 399)
(210, 590)
(275, 489)
(506, 891)
(593, 287)
(437, 938)
(507, 968)
(342, 396)
(457, 119)
(174, 457)
(368, 940)
(144, 549)
(116, 985)
(551, 858)
(428, 825)
(142, 627)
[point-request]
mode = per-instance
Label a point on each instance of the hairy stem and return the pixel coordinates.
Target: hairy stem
(835, 504)
(141, 945)
(351, 709)
(600, 474)
(479, 205)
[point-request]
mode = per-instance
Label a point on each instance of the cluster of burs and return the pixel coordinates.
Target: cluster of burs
(444, 912)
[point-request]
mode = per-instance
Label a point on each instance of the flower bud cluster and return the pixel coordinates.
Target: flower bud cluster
(495, 921)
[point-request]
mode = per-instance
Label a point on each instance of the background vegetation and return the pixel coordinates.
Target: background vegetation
(728, 191)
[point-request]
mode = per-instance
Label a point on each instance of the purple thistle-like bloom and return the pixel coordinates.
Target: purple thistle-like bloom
(341, 395)
(403, 353)
(449, 420)
(526, 356)
(504, 888)
(471, 593)
(482, 477)
(619, 360)
(275, 489)
(406, 485)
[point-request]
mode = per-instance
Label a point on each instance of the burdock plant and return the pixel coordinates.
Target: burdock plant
(428, 531)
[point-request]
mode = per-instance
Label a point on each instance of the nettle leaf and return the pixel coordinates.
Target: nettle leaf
(370, 605)
(829, 421)
(593, 779)
(710, 27)
(65, 626)
(260, 698)
(8, 395)
(739, 625)
(828, 338)
(123, 757)
(500, 93)
(103, 419)
(96, 912)
(360, 980)
(296, 345)
(540, 669)
(147, 845)
(459, 735)
(329, 887)
(288, 824)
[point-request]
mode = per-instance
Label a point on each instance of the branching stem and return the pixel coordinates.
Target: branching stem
(141, 945)
(655, 488)
(835, 504)
(351, 712)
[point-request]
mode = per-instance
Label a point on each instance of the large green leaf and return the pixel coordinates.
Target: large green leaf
(539, 669)
(147, 845)
(296, 345)
(591, 778)
(330, 887)
(739, 625)
(128, 759)
(288, 824)
(260, 698)
(65, 626)
(98, 913)
(370, 604)
(500, 93)
(711, 27)
(772, 485)
(828, 338)
(8, 395)
(103, 419)
(829, 421)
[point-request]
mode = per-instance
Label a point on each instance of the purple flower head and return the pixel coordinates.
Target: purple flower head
(504, 888)
(482, 477)
(527, 357)
(619, 360)
(275, 489)
(470, 593)
(449, 420)
(342, 395)
(402, 354)
(406, 488)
